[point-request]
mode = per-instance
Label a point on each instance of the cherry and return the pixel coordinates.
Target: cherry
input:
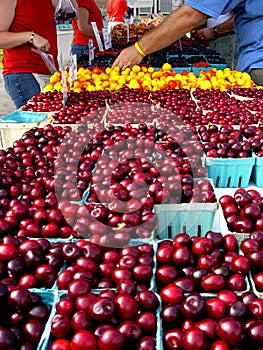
(83, 339)
(126, 307)
(173, 339)
(166, 274)
(230, 330)
(215, 308)
(171, 294)
(193, 306)
(61, 325)
(102, 309)
(33, 330)
(111, 339)
(195, 338)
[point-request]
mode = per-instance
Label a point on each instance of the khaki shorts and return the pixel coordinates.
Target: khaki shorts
(257, 75)
(42, 79)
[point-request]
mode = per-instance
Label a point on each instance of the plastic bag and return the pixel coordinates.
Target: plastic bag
(48, 60)
(65, 11)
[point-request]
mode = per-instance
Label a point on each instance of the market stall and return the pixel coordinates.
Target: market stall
(131, 212)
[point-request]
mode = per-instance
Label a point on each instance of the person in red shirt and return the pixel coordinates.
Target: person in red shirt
(83, 31)
(27, 24)
(116, 11)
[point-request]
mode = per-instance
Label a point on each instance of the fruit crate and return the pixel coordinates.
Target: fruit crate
(197, 70)
(135, 242)
(219, 66)
(194, 265)
(193, 218)
(50, 299)
(161, 327)
(14, 125)
(207, 297)
(230, 172)
(180, 70)
(253, 286)
(49, 338)
(74, 127)
(225, 230)
(257, 172)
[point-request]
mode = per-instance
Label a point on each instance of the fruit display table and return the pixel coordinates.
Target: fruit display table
(114, 231)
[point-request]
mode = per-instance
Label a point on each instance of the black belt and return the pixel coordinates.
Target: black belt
(224, 34)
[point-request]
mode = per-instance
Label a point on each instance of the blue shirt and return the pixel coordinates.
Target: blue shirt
(248, 19)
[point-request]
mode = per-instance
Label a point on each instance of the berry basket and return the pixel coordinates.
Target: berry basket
(230, 172)
(49, 338)
(225, 230)
(14, 125)
(254, 288)
(50, 299)
(175, 326)
(257, 172)
(194, 219)
(151, 285)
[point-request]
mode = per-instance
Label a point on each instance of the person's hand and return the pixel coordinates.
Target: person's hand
(127, 58)
(41, 43)
(204, 34)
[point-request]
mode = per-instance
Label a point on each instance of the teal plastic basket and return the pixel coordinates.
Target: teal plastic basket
(179, 70)
(50, 299)
(230, 172)
(49, 339)
(23, 117)
(14, 125)
(219, 66)
(197, 70)
(257, 173)
(193, 218)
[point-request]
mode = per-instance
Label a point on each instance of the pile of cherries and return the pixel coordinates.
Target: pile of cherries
(29, 263)
(224, 142)
(23, 317)
(200, 264)
(129, 267)
(65, 14)
(226, 320)
(243, 210)
(228, 315)
(198, 107)
(105, 320)
(251, 247)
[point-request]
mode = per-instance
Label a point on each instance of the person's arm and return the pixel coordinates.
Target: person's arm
(83, 24)
(9, 39)
(174, 26)
(203, 34)
(225, 27)
(212, 32)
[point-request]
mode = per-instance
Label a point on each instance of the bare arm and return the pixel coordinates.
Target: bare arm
(9, 39)
(82, 21)
(178, 23)
(227, 26)
(208, 33)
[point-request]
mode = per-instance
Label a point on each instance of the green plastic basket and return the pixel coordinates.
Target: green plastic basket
(230, 172)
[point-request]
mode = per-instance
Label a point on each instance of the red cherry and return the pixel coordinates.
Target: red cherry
(111, 339)
(195, 338)
(83, 339)
(171, 294)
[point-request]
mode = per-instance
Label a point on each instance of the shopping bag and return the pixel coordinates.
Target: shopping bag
(65, 11)
(48, 60)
